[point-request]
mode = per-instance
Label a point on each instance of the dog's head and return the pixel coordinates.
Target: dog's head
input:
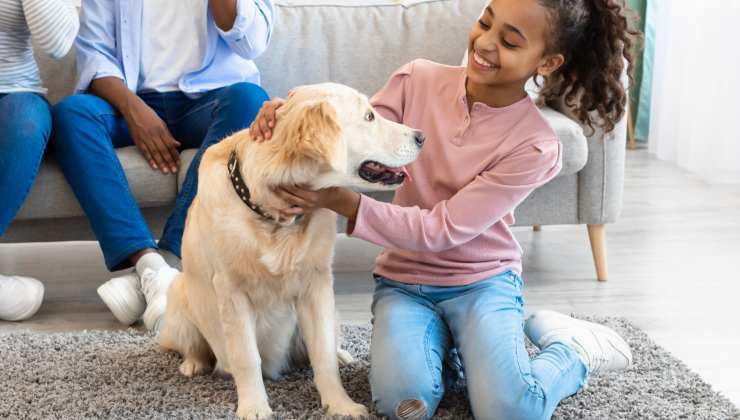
(330, 135)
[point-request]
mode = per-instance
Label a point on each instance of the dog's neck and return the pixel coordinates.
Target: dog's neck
(255, 184)
(241, 189)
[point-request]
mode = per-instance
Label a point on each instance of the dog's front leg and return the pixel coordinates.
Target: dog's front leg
(316, 317)
(240, 335)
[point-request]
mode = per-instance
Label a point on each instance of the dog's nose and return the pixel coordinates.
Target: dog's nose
(419, 138)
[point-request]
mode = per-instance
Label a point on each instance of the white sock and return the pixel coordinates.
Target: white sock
(152, 260)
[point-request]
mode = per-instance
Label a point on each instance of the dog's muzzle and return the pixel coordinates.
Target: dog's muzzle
(375, 172)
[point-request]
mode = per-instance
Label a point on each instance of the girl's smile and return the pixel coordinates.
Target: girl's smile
(482, 64)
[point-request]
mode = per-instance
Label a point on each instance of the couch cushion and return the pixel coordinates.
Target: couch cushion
(51, 195)
(360, 45)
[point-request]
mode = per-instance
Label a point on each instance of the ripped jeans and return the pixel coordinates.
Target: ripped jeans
(415, 327)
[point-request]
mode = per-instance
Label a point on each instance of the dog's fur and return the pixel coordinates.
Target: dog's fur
(256, 296)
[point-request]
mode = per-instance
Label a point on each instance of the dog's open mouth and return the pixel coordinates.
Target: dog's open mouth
(375, 172)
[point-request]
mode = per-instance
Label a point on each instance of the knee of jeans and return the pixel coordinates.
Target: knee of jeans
(69, 115)
(408, 409)
(406, 402)
(76, 107)
(30, 115)
(248, 96)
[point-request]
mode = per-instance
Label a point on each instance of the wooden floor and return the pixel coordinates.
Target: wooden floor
(673, 255)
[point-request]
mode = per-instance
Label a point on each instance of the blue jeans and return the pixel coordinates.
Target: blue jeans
(88, 130)
(25, 128)
(415, 328)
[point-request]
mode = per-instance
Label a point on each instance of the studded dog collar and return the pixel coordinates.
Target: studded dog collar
(241, 188)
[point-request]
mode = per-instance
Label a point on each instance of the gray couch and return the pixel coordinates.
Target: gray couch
(358, 45)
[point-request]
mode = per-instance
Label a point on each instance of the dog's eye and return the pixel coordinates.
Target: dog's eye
(370, 116)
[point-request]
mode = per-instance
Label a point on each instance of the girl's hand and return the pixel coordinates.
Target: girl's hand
(261, 128)
(340, 200)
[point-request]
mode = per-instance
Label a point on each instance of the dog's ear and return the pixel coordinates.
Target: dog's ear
(311, 133)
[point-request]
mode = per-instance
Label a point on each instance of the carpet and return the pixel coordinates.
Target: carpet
(122, 374)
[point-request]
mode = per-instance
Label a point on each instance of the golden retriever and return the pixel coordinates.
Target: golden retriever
(256, 292)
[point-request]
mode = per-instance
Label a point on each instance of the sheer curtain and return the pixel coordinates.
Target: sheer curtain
(695, 107)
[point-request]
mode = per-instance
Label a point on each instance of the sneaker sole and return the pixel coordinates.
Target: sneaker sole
(124, 313)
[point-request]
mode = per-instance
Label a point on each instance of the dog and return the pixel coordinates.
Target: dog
(255, 296)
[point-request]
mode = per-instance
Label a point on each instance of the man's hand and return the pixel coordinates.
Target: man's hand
(152, 137)
(264, 122)
(149, 132)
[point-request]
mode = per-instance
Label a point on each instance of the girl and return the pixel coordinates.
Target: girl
(25, 120)
(449, 277)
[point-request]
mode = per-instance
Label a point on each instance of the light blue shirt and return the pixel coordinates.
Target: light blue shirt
(109, 44)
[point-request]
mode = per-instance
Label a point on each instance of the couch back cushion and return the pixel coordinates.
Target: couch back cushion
(361, 42)
(59, 76)
(355, 42)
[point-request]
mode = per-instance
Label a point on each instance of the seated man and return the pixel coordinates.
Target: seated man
(162, 75)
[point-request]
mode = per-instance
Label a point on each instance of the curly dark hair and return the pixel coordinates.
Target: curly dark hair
(595, 37)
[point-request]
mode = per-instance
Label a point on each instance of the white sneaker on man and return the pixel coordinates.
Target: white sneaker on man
(599, 347)
(20, 297)
(154, 285)
(124, 298)
(143, 292)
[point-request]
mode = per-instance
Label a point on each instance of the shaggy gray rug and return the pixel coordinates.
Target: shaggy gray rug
(115, 375)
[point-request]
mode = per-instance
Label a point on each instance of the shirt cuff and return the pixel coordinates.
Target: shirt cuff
(359, 228)
(99, 71)
(246, 11)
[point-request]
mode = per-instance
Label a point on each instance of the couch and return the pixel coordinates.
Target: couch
(358, 43)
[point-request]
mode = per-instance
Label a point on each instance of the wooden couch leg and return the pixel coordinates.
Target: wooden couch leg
(597, 236)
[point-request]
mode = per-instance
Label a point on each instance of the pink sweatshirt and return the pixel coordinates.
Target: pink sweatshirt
(449, 224)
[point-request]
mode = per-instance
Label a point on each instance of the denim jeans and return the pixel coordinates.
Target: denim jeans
(415, 328)
(88, 130)
(25, 128)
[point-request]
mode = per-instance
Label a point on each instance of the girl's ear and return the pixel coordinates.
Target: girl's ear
(549, 64)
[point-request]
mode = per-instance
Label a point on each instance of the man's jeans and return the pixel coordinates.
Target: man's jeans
(25, 128)
(416, 327)
(88, 130)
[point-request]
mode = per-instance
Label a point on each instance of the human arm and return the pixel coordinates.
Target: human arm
(245, 25)
(149, 133)
(96, 43)
(450, 223)
(53, 24)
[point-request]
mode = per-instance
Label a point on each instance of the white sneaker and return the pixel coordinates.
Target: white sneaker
(154, 284)
(599, 347)
(20, 297)
(124, 298)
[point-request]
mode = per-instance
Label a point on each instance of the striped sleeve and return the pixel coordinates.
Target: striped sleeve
(53, 24)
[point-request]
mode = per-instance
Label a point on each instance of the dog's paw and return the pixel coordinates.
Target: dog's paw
(254, 412)
(344, 357)
(192, 367)
(348, 408)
